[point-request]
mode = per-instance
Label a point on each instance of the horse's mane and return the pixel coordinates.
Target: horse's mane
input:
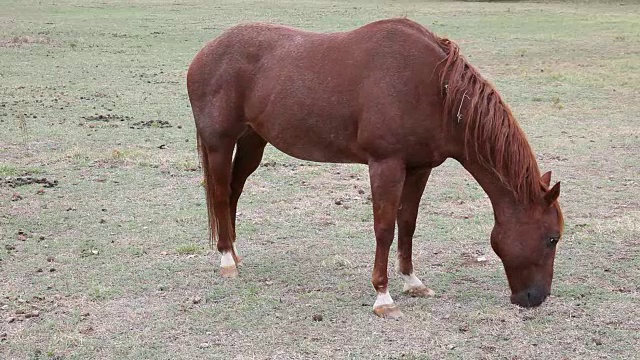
(492, 134)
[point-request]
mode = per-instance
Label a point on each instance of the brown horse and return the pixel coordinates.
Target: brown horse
(391, 95)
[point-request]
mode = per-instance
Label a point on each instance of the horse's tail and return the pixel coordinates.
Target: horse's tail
(209, 189)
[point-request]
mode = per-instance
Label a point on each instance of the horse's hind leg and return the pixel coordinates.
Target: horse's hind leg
(248, 155)
(217, 170)
(412, 190)
(218, 128)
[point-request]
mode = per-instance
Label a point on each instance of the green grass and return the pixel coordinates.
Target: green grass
(125, 230)
(188, 249)
(7, 170)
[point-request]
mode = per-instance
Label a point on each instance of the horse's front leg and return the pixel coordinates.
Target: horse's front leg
(387, 179)
(414, 184)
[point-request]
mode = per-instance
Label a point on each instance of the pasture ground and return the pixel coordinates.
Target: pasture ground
(112, 261)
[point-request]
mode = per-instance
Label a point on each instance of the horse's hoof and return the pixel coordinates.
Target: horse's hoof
(388, 311)
(420, 291)
(229, 272)
(239, 260)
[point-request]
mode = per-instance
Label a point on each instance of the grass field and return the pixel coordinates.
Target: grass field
(112, 261)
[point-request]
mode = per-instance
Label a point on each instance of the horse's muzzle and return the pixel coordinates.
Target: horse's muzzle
(531, 297)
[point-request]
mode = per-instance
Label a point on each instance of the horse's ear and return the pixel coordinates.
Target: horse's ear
(552, 195)
(546, 179)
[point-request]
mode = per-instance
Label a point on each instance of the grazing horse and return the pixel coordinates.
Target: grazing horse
(392, 95)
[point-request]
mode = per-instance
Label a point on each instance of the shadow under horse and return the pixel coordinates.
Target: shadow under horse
(392, 95)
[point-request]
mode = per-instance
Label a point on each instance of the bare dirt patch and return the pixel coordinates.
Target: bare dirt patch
(19, 41)
(151, 124)
(107, 117)
(27, 180)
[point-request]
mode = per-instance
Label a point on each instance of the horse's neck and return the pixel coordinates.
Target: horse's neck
(502, 197)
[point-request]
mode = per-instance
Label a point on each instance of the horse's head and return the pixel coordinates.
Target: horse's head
(526, 243)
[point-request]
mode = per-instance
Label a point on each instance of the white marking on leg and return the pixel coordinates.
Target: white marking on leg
(411, 282)
(397, 267)
(235, 249)
(383, 299)
(227, 260)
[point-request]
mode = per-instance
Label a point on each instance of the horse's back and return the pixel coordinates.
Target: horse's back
(341, 90)
(259, 46)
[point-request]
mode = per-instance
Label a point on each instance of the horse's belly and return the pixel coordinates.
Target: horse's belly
(311, 140)
(319, 154)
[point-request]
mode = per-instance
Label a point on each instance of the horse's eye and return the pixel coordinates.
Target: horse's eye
(553, 240)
